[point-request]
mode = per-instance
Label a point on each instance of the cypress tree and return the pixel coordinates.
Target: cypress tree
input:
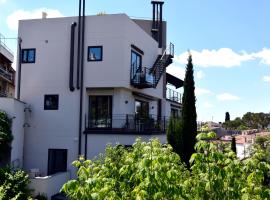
(227, 116)
(233, 145)
(189, 115)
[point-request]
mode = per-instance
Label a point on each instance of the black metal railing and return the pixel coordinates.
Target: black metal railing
(128, 123)
(144, 77)
(173, 95)
(3, 94)
(6, 74)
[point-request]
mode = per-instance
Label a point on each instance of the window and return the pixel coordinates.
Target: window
(95, 53)
(28, 55)
(100, 111)
(51, 102)
(141, 109)
(57, 161)
(136, 60)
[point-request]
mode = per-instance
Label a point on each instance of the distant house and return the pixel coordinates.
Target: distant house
(7, 73)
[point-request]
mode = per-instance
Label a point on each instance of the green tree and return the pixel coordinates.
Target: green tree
(5, 138)
(227, 116)
(233, 145)
(189, 115)
(174, 136)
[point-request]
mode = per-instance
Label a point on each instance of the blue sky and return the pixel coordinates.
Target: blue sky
(229, 41)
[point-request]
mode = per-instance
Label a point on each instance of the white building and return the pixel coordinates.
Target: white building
(93, 80)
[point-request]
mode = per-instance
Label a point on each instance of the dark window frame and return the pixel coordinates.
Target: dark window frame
(23, 51)
(101, 53)
(138, 55)
(49, 95)
(52, 168)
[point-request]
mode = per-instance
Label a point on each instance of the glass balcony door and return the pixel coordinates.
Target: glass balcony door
(100, 111)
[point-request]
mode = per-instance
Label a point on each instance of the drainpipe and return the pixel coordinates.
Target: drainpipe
(78, 70)
(71, 65)
(82, 72)
(19, 56)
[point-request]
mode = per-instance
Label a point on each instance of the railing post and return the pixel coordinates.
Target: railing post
(164, 124)
(127, 122)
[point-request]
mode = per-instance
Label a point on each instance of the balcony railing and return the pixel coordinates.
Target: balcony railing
(126, 124)
(6, 74)
(3, 94)
(173, 95)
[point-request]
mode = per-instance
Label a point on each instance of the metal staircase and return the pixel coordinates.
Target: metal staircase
(143, 77)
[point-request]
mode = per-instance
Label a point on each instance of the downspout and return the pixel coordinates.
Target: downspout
(19, 69)
(79, 46)
(71, 65)
(78, 70)
(160, 27)
(82, 72)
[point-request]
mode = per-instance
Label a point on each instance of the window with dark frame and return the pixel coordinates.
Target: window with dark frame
(95, 53)
(28, 55)
(51, 101)
(57, 161)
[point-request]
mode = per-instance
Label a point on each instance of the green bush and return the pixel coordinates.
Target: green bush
(13, 184)
(5, 138)
(153, 171)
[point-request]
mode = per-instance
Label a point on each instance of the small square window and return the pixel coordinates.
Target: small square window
(51, 102)
(95, 53)
(28, 55)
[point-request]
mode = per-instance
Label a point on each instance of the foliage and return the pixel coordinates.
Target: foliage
(174, 136)
(227, 116)
(153, 171)
(189, 115)
(13, 184)
(5, 132)
(249, 121)
(233, 145)
(147, 171)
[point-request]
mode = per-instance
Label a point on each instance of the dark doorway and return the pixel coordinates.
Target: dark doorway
(100, 111)
(57, 161)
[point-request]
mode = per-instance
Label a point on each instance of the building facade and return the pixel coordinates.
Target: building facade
(83, 91)
(7, 73)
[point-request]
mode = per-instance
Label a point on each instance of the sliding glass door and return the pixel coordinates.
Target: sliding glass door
(100, 111)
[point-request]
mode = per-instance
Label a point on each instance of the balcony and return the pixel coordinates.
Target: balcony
(173, 95)
(6, 75)
(3, 94)
(126, 124)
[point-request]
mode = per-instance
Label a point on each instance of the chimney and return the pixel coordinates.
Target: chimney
(44, 15)
(157, 22)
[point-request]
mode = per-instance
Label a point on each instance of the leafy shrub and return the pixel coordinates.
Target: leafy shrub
(153, 171)
(13, 184)
(5, 137)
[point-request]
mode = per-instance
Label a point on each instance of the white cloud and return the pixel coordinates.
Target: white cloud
(223, 57)
(264, 55)
(207, 105)
(13, 18)
(200, 74)
(202, 91)
(266, 78)
(177, 71)
(227, 97)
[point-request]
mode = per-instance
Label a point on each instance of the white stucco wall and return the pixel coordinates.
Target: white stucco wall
(15, 110)
(50, 75)
(49, 185)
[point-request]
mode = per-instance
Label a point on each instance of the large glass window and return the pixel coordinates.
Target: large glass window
(95, 53)
(28, 55)
(136, 60)
(100, 111)
(141, 109)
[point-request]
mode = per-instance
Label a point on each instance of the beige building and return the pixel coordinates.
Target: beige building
(7, 73)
